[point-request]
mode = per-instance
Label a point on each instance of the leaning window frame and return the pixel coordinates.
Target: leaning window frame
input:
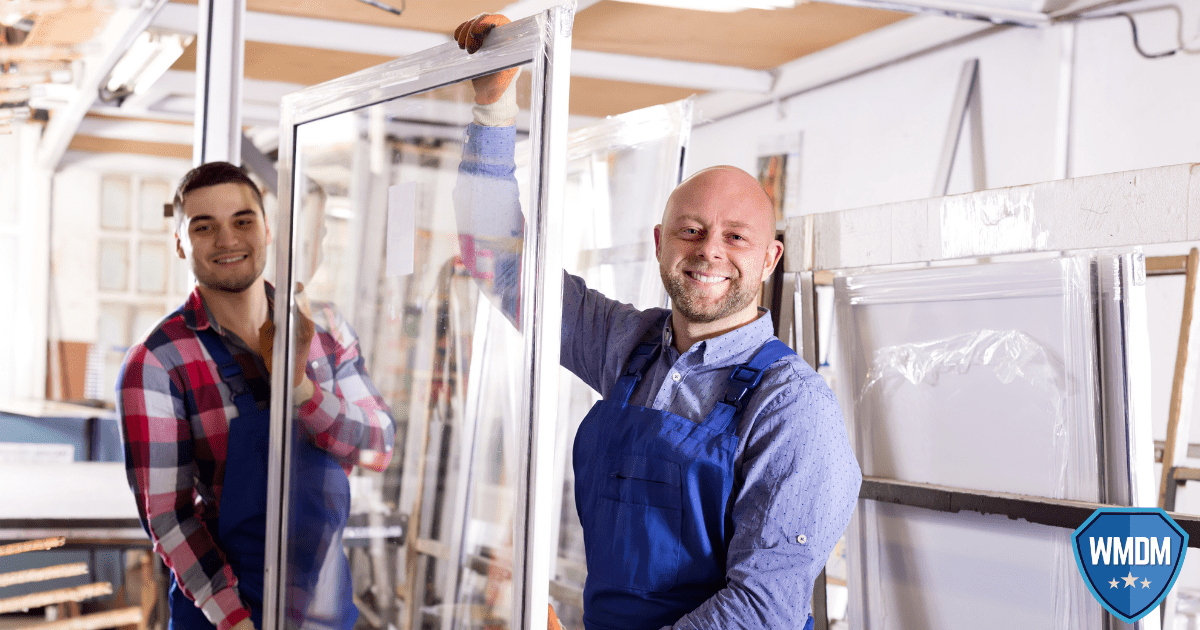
(544, 41)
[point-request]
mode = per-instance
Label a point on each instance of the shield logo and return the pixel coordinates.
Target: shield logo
(1130, 558)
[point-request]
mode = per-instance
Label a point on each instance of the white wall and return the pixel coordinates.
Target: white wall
(878, 137)
(1066, 101)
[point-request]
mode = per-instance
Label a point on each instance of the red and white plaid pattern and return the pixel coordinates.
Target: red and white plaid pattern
(175, 413)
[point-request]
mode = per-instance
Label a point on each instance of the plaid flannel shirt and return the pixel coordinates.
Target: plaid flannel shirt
(175, 412)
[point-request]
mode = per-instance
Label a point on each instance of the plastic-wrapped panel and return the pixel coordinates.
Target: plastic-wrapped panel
(985, 377)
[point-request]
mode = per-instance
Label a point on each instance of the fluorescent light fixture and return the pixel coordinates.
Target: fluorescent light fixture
(722, 6)
(151, 54)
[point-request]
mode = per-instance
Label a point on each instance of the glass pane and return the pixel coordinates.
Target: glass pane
(115, 200)
(114, 265)
(152, 268)
(619, 175)
(151, 199)
(414, 318)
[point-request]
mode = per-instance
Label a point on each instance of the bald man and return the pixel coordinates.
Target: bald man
(715, 477)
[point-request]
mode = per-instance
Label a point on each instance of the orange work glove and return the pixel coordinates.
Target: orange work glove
(552, 622)
(304, 334)
(470, 36)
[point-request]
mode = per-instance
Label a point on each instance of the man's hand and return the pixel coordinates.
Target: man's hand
(244, 624)
(470, 36)
(304, 334)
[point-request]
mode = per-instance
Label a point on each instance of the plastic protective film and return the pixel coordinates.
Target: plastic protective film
(619, 174)
(982, 377)
(408, 497)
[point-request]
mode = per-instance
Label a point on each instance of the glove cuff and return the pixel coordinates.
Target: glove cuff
(503, 112)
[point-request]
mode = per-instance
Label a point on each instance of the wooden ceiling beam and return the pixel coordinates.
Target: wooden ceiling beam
(889, 44)
(389, 42)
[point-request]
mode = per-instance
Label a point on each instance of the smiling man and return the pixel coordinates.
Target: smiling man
(194, 400)
(715, 477)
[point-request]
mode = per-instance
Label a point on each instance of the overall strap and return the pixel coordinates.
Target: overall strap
(639, 362)
(231, 372)
(742, 382)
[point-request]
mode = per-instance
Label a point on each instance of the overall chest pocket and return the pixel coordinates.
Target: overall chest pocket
(635, 542)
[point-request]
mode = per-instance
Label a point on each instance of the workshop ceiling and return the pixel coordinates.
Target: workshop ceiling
(755, 39)
(628, 46)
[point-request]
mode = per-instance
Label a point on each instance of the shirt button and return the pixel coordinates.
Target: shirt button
(801, 539)
(675, 377)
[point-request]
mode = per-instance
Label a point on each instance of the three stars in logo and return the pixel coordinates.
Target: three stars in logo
(1130, 580)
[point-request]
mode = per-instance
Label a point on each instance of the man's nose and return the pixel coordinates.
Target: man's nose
(225, 238)
(711, 248)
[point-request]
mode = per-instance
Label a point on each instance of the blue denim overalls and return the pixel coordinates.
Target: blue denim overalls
(654, 495)
(320, 505)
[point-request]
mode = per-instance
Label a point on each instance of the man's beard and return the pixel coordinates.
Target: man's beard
(235, 284)
(736, 298)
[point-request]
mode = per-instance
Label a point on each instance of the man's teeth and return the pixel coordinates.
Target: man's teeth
(224, 261)
(706, 279)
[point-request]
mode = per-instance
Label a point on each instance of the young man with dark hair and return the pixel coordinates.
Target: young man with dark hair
(194, 399)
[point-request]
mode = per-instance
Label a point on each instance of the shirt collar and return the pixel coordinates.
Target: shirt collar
(724, 348)
(196, 315)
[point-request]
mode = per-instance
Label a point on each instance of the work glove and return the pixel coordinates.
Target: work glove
(552, 622)
(304, 335)
(496, 103)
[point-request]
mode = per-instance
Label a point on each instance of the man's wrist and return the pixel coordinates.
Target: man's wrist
(502, 113)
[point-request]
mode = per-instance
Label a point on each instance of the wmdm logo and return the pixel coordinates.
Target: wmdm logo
(1130, 558)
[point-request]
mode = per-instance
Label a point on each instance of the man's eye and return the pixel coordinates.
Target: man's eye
(199, 228)
(691, 231)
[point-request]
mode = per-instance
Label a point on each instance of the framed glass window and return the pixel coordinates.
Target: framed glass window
(152, 196)
(153, 265)
(114, 265)
(433, 365)
(115, 199)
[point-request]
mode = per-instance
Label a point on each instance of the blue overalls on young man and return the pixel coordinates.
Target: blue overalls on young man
(654, 494)
(320, 506)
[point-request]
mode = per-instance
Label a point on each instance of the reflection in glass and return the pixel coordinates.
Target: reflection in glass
(447, 363)
(114, 265)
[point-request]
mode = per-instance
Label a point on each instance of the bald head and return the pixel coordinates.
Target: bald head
(715, 246)
(729, 188)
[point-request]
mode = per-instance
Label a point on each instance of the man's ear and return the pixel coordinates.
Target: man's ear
(658, 242)
(774, 254)
(179, 246)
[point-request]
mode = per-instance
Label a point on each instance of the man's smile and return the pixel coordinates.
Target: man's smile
(229, 260)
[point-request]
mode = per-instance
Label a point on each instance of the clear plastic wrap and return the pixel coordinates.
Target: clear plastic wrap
(984, 377)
